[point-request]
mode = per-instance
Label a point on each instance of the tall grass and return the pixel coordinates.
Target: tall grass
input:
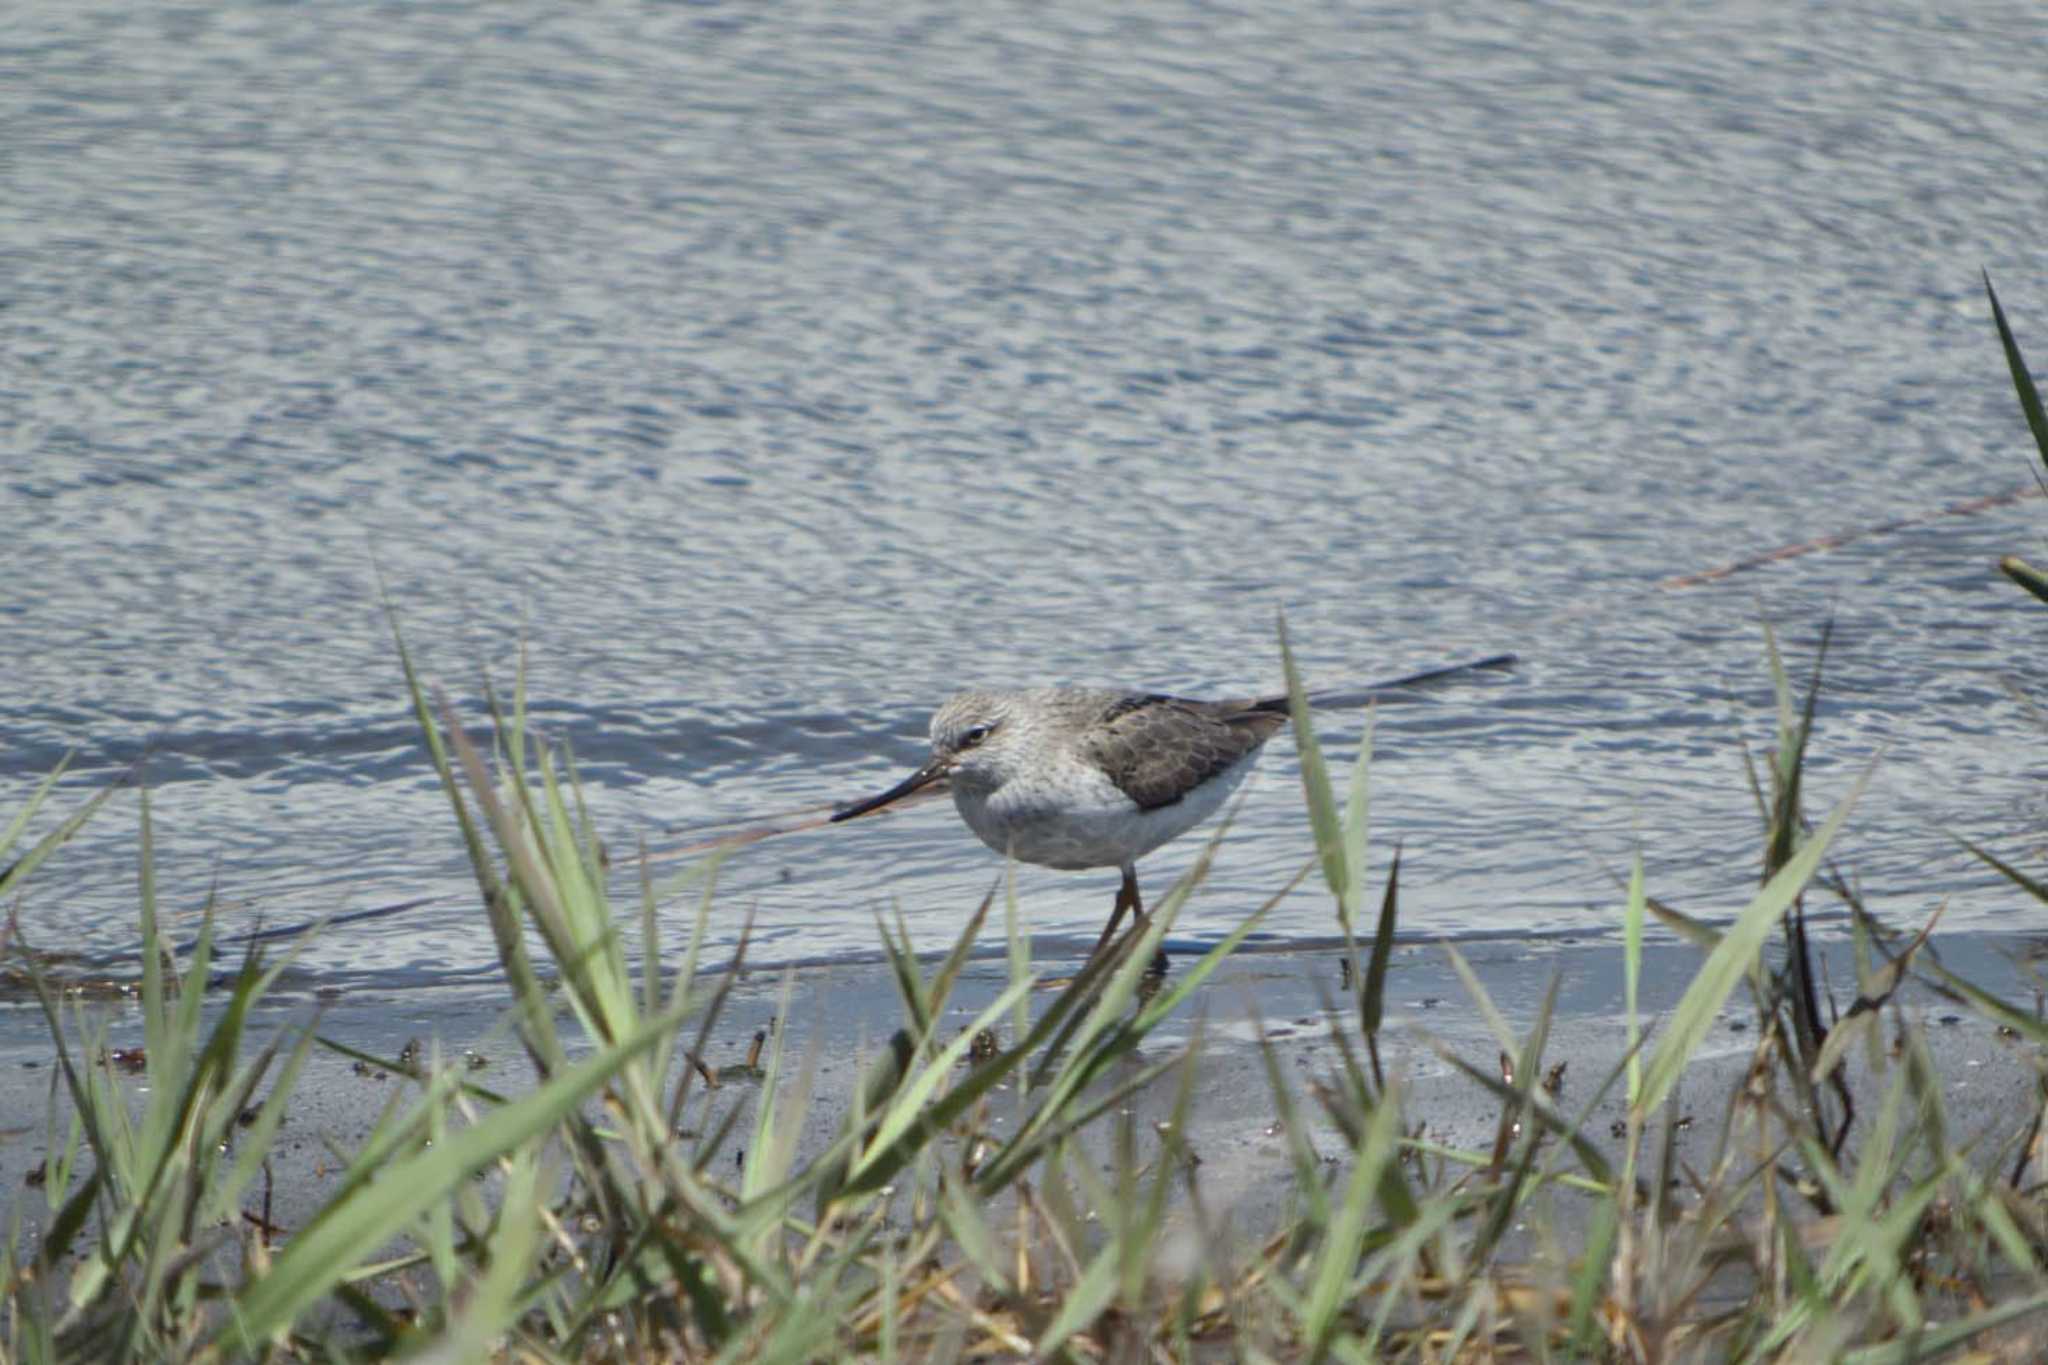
(950, 1217)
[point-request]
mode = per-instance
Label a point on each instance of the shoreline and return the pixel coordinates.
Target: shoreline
(840, 1015)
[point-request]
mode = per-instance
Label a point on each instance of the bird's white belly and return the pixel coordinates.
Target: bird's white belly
(1083, 820)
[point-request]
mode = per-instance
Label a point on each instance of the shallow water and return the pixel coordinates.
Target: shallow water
(778, 371)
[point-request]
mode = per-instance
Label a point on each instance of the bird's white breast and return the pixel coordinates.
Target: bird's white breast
(1073, 816)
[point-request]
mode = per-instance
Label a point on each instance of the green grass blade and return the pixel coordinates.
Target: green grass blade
(967, 1223)
(1496, 1022)
(154, 1018)
(1936, 1341)
(1082, 1303)
(1315, 785)
(488, 1304)
(1632, 971)
(2023, 1022)
(20, 819)
(472, 838)
(2022, 382)
(39, 851)
(963, 948)
(1372, 995)
(1358, 801)
(2032, 887)
(1590, 1280)
(1330, 1283)
(1733, 957)
(2026, 575)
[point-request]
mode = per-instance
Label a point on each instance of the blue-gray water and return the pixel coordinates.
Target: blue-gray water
(782, 367)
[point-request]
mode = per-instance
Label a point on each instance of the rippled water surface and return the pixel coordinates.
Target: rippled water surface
(779, 369)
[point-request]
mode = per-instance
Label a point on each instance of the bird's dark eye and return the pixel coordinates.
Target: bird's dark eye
(974, 734)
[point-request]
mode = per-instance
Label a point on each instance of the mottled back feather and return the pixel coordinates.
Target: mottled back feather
(1157, 749)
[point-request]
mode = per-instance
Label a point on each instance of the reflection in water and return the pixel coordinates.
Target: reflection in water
(777, 373)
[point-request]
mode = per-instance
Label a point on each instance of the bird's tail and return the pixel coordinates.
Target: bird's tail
(1395, 689)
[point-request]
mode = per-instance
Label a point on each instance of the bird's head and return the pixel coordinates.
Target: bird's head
(976, 735)
(975, 745)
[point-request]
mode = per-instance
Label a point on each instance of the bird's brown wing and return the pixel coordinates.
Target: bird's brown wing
(1157, 748)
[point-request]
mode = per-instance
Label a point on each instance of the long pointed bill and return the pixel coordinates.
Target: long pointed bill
(934, 769)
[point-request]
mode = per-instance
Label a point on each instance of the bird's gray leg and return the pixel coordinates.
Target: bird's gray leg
(1127, 898)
